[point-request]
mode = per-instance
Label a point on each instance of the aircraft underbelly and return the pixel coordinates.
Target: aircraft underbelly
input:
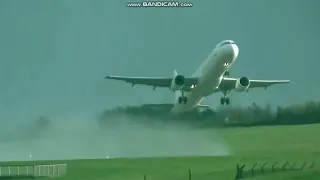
(211, 76)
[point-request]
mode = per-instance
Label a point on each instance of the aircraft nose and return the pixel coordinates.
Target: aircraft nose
(234, 50)
(230, 51)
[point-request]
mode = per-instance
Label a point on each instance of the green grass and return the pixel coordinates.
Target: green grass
(250, 145)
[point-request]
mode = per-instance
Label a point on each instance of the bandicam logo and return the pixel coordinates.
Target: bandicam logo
(159, 4)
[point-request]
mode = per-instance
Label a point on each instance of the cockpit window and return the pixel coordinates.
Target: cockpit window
(226, 42)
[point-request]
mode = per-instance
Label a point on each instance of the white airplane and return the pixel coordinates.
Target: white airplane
(211, 77)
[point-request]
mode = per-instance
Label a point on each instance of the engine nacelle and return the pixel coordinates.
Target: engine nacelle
(177, 83)
(242, 84)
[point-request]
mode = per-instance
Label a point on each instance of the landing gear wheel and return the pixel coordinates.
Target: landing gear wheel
(185, 100)
(227, 100)
(222, 101)
(182, 99)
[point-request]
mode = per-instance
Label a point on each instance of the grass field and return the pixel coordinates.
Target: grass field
(249, 145)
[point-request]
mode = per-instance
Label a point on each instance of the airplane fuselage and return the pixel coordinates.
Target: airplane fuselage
(210, 74)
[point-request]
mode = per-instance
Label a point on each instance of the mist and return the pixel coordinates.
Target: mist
(79, 136)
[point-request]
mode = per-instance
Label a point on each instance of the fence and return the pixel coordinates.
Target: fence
(256, 170)
(52, 170)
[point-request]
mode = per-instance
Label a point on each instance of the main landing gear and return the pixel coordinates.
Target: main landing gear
(225, 99)
(182, 99)
(226, 73)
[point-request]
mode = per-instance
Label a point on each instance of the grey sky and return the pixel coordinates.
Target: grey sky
(54, 55)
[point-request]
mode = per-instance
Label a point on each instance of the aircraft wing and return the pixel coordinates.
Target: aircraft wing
(229, 83)
(153, 81)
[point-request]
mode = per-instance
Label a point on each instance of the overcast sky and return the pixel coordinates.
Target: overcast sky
(54, 55)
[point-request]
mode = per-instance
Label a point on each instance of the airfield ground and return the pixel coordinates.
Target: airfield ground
(249, 145)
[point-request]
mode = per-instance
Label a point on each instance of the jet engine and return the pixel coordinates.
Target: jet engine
(242, 84)
(177, 83)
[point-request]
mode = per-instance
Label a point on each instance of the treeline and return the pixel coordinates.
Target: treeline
(254, 115)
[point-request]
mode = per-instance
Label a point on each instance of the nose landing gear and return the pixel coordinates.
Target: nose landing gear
(226, 73)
